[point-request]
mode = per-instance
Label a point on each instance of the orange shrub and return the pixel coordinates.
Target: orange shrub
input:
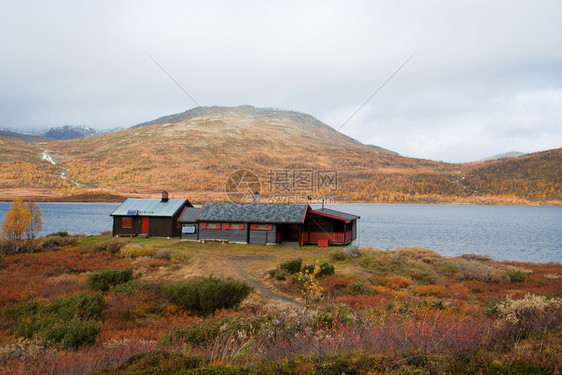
(430, 290)
(361, 301)
(398, 282)
(459, 290)
(334, 282)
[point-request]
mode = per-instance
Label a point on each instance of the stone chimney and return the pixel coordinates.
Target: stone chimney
(164, 196)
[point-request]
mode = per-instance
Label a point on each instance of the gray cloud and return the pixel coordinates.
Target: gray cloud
(486, 77)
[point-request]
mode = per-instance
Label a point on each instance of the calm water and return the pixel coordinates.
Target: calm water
(504, 232)
(75, 218)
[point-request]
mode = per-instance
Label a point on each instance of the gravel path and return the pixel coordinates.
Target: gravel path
(241, 262)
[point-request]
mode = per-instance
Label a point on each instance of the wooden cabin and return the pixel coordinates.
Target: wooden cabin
(295, 224)
(149, 217)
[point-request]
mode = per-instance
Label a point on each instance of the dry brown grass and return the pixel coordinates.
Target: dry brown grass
(421, 254)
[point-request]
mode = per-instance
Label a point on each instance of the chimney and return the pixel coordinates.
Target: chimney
(257, 197)
(164, 196)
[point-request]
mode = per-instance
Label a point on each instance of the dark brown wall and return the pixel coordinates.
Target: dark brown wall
(117, 225)
(157, 226)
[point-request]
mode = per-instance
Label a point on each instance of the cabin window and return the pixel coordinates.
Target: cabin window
(188, 229)
(211, 225)
(261, 226)
(234, 226)
(127, 222)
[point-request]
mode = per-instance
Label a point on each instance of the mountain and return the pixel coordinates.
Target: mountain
(295, 156)
(70, 132)
(511, 154)
(25, 137)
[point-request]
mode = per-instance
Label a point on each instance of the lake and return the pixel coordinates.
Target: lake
(525, 233)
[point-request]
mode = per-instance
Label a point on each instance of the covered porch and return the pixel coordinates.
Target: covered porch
(328, 227)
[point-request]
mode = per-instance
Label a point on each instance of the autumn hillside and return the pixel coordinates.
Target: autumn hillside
(192, 154)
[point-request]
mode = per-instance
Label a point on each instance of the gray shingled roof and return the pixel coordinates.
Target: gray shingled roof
(337, 213)
(189, 215)
(148, 207)
(253, 213)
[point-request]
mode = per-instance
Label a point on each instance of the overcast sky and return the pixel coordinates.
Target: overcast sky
(485, 78)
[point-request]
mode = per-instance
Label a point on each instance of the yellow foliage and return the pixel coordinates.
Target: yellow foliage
(16, 222)
(311, 286)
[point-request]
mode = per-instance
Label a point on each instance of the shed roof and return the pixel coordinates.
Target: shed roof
(189, 214)
(339, 214)
(253, 213)
(149, 207)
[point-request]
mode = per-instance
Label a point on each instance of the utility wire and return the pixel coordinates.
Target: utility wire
(376, 92)
(172, 78)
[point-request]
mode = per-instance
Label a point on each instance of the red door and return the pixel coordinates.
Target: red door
(145, 225)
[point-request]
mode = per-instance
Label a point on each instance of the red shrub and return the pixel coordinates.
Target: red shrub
(361, 301)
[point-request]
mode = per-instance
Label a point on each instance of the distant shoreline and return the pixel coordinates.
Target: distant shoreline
(119, 199)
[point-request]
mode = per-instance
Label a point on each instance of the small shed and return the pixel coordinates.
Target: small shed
(149, 217)
(189, 227)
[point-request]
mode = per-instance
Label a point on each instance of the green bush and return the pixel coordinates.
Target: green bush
(277, 274)
(113, 245)
(64, 320)
(292, 266)
(446, 267)
(58, 234)
(50, 241)
(75, 333)
(325, 269)
(103, 280)
(85, 305)
(357, 288)
(517, 276)
(206, 294)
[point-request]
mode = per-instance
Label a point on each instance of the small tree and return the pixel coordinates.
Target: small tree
(311, 287)
(16, 222)
(36, 225)
(22, 221)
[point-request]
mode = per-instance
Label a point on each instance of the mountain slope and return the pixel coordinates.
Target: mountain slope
(24, 137)
(193, 153)
(519, 175)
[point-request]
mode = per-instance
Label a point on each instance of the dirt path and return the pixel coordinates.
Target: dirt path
(240, 263)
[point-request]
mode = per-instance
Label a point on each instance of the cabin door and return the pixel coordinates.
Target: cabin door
(294, 232)
(144, 225)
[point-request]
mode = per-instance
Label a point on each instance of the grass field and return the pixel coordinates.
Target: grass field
(407, 311)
